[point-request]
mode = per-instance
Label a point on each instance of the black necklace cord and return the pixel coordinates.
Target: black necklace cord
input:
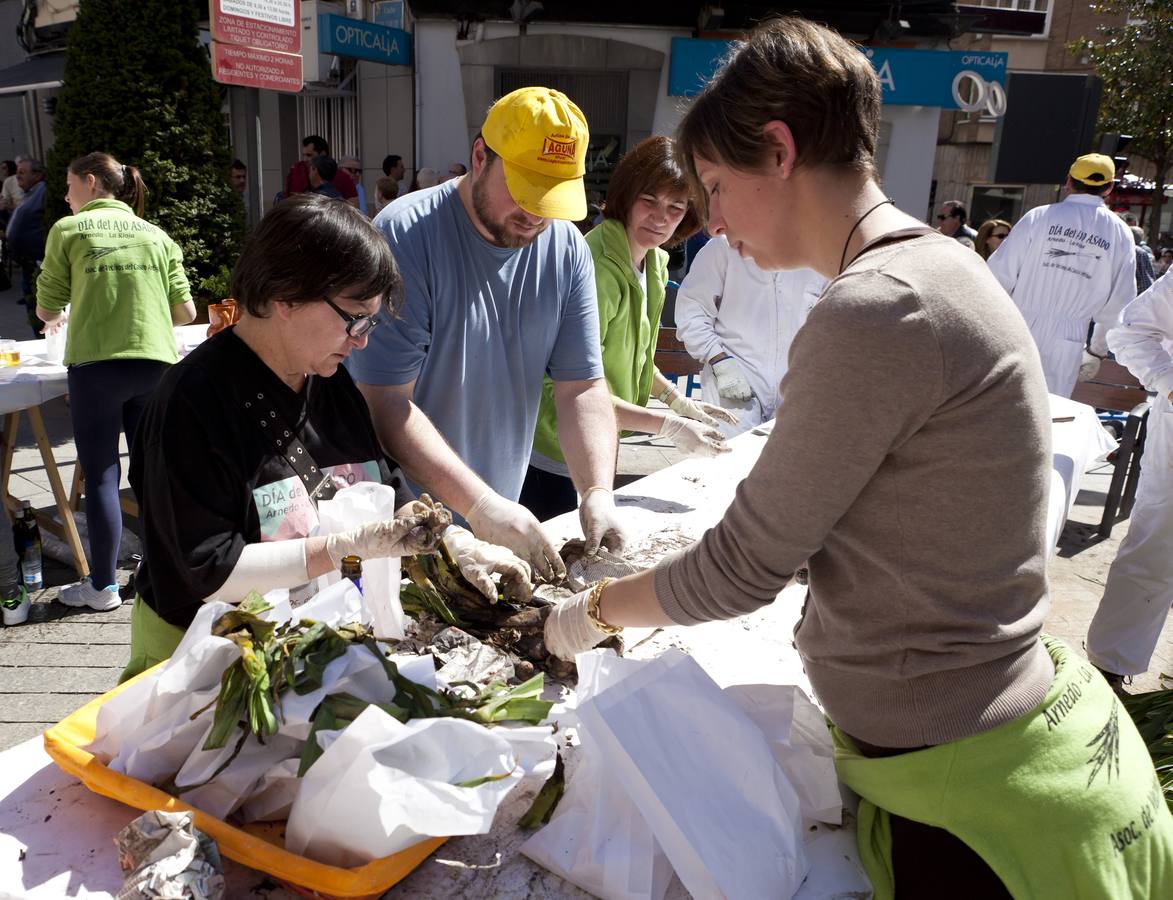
(851, 234)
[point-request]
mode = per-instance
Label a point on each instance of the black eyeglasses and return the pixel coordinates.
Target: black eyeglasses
(941, 218)
(356, 326)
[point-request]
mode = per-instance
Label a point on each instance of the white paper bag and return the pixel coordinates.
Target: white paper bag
(273, 795)
(383, 785)
(221, 795)
(703, 777)
(357, 505)
(597, 839)
(800, 741)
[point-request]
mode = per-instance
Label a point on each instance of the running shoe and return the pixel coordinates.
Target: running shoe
(85, 594)
(16, 609)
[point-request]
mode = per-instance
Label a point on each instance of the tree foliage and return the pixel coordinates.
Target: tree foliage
(138, 85)
(1132, 51)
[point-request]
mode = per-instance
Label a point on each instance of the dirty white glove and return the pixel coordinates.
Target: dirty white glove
(705, 413)
(480, 561)
(1090, 367)
(416, 528)
(507, 524)
(692, 437)
(569, 630)
(731, 381)
(600, 521)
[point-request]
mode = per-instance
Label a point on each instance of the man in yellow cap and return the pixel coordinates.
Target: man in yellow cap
(1066, 265)
(500, 291)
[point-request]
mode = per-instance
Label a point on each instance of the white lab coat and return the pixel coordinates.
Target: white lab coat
(1128, 623)
(728, 304)
(1065, 265)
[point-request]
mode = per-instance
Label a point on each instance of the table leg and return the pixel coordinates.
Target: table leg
(8, 439)
(69, 528)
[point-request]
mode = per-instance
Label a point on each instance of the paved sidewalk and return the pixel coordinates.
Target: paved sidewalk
(64, 657)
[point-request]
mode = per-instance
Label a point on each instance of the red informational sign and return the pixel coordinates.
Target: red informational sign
(265, 24)
(252, 67)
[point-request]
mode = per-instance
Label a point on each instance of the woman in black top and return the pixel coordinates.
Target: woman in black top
(224, 510)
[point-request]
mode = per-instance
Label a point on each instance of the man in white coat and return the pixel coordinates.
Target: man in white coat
(1139, 591)
(1066, 265)
(740, 321)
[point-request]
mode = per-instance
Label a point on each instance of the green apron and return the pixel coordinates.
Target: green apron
(1062, 802)
(152, 639)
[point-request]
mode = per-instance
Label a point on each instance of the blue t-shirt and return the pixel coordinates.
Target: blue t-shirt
(480, 326)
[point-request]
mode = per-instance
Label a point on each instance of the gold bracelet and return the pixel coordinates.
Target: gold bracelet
(593, 600)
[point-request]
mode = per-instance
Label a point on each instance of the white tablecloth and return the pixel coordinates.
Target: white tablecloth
(36, 380)
(67, 830)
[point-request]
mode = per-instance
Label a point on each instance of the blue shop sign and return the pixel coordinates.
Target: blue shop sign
(341, 36)
(950, 79)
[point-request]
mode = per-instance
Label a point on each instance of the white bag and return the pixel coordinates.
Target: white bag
(597, 839)
(382, 785)
(703, 777)
(357, 505)
(222, 795)
(801, 742)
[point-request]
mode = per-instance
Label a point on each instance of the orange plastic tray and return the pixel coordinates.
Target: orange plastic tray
(258, 846)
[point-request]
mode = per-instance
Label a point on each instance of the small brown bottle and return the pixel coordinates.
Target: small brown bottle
(352, 568)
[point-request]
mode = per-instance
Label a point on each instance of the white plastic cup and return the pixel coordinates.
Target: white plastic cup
(55, 345)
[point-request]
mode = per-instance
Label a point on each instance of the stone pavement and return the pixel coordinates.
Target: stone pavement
(64, 657)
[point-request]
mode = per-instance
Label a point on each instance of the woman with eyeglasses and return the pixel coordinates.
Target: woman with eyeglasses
(124, 282)
(991, 235)
(224, 510)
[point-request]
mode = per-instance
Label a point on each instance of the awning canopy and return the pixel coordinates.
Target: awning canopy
(35, 73)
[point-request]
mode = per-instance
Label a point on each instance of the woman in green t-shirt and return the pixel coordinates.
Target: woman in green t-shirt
(649, 205)
(124, 282)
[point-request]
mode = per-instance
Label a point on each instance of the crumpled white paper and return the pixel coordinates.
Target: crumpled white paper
(701, 776)
(382, 785)
(357, 505)
(800, 741)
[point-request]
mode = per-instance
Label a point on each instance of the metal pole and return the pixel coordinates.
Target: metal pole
(252, 140)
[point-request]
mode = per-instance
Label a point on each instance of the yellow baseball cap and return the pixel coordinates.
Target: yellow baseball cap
(541, 137)
(1094, 169)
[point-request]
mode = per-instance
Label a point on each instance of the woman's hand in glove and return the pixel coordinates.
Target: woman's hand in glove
(570, 630)
(731, 381)
(692, 437)
(705, 413)
(479, 561)
(416, 528)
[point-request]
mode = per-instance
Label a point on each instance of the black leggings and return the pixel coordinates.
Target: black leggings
(104, 398)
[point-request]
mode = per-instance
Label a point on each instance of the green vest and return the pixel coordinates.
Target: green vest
(627, 334)
(122, 274)
(1062, 802)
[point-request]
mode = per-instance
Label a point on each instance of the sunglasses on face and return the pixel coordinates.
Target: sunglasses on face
(1000, 235)
(356, 326)
(942, 218)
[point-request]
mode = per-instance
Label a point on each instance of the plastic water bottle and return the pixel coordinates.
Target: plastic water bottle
(27, 535)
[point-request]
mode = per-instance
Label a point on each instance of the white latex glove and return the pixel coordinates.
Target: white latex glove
(480, 561)
(692, 437)
(600, 522)
(705, 413)
(507, 524)
(416, 528)
(731, 381)
(569, 630)
(1090, 367)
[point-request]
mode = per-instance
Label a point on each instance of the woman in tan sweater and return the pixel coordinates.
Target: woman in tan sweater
(923, 517)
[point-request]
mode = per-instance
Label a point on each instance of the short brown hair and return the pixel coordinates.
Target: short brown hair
(651, 167)
(307, 248)
(793, 71)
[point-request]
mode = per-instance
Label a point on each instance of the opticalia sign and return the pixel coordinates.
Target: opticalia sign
(966, 80)
(341, 36)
